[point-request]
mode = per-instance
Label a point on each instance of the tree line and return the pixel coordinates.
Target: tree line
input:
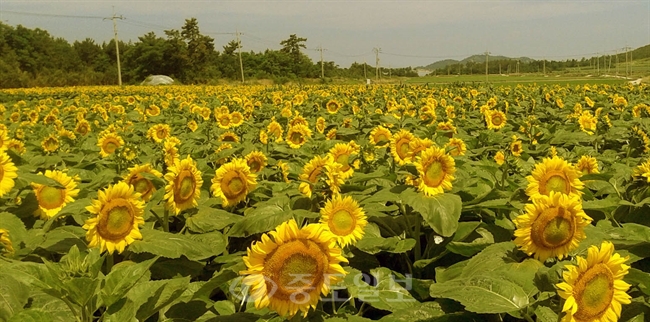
(33, 57)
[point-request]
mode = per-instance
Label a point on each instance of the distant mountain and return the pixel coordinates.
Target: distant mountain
(473, 58)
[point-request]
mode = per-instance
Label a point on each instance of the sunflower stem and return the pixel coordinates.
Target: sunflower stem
(526, 316)
(418, 250)
(109, 263)
(165, 220)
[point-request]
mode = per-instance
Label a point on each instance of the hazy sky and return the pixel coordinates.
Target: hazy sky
(409, 33)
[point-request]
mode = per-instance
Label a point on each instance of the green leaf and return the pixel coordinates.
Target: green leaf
(387, 294)
(76, 207)
(13, 296)
(265, 217)
(440, 212)
(491, 258)
(60, 239)
(151, 296)
(468, 249)
(15, 227)
(122, 278)
(29, 178)
(218, 280)
(373, 243)
(194, 247)
(421, 312)
(545, 314)
(639, 278)
(31, 315)
(210, 219)
(483, 294)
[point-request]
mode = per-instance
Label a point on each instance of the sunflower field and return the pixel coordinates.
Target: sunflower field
(325, 203)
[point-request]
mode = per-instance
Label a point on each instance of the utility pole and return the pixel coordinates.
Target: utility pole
(117, 48)
(517, 69)
(377, 50)
(486, 65)
(544, 66)
(627, 66)
(241, 64)
(616, 62)
(365, 75)
(322, 66)
(597, 64)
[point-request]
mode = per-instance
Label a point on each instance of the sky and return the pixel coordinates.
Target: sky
(408, 33)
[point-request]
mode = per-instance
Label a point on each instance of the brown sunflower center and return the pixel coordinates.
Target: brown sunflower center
(224, 121)
(141, 184)
(557, 183)
(296, 269)
(434, 174)
(342, 223)
(185, 186)
(110, 145)
(296, 137)
(232, 186)
(497, 120)
(255, 165)
(161, 133)
(116, 219)
(229, 138)
(593, 292)
(553, 228)
(403, 149)
(51, 198)
(313, 176)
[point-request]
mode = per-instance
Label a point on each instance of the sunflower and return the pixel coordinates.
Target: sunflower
(192, 125)
(6, 246)
(553, 174)
(236, 119)
(256, 161)
(50, 143)
(275, 130)
(109, 143)
(311, 172)
(495, 119)
(344, 219)
(516, 148)
(643, 170)
(233, 181)
(587, 122)
(594, 289)
(380, 136)
(320, 125)
(118, 212)
(298, 100)
(152, 110)
(335, 177)
(223, 120)
(456, 147)
(400, 147)
(16, 146)
(500, 158)
(264, 137)
(183, 187)
(298, 120)
(170, 153)
(331, 134)
(284, 169)
(297, 136)
(552, 226)
(7, 173)
(436, 170)
(341, 153)
(4, 139)
(418, 145)
(587, 165)
(51, 199)
(159, 132)
(229, 136)
(333, 106)
(291, 267)
(141, 184)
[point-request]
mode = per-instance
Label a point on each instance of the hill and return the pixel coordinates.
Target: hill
(474, 58)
